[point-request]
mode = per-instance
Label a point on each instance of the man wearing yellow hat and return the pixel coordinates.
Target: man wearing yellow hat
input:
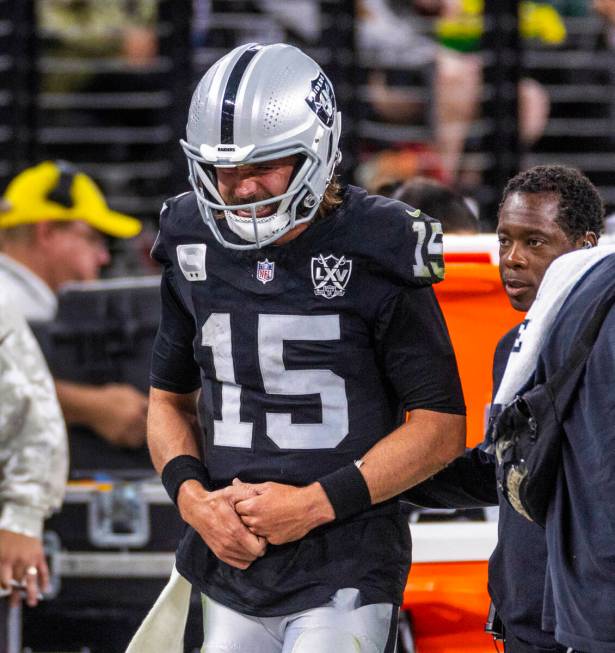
(53, 219)
(51, 231)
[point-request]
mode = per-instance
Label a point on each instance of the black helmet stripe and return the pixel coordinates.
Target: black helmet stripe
(230, 93)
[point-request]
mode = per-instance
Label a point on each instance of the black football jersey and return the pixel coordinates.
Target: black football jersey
(307, 354)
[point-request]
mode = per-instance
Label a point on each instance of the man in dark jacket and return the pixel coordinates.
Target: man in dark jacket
(545, 212)
(580, 593)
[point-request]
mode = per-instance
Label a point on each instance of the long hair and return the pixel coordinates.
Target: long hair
(332, 198)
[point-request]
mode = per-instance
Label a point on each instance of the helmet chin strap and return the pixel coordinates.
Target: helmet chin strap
(266, 226)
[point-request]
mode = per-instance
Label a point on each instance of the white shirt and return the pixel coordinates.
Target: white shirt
(26, 291)
(33, 444)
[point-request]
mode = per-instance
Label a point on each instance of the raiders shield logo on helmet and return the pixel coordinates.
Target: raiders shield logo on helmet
(322, 100)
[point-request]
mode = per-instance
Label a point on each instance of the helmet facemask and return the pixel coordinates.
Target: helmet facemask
(296, 205)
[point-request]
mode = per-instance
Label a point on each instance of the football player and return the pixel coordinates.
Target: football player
(298, 327)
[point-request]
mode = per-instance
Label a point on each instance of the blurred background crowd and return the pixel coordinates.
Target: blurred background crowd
(431, 88)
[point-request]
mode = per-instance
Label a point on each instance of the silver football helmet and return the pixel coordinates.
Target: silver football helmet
(260, 103)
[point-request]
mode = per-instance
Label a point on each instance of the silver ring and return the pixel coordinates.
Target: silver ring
(31, 571)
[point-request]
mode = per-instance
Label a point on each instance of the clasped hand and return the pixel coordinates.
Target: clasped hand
(279, 513)
(239, 521)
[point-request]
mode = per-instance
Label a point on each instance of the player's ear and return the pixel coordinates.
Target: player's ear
(591, 240)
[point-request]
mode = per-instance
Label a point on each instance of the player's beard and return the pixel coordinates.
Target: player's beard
(270, 208)
(253, 255)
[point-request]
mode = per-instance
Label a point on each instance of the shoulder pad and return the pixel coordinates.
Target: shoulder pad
(178, 215)
(402, 240)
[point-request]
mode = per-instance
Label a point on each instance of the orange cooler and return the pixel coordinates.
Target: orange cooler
(478, 314)
(446, 593)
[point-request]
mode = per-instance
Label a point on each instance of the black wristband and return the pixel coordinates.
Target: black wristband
(180, 469)
(347, 491)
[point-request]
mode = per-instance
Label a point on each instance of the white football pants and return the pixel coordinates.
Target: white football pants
(337, 627)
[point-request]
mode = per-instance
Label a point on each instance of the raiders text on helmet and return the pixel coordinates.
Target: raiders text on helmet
(261, 103)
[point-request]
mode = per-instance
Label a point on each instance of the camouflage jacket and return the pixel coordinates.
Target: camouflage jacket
(33, 442)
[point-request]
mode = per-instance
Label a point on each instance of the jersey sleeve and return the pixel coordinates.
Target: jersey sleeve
(416, 354)
(402, 242)
(173, 365)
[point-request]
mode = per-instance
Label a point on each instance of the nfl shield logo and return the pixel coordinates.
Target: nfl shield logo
(265, 271)
(330, 275)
